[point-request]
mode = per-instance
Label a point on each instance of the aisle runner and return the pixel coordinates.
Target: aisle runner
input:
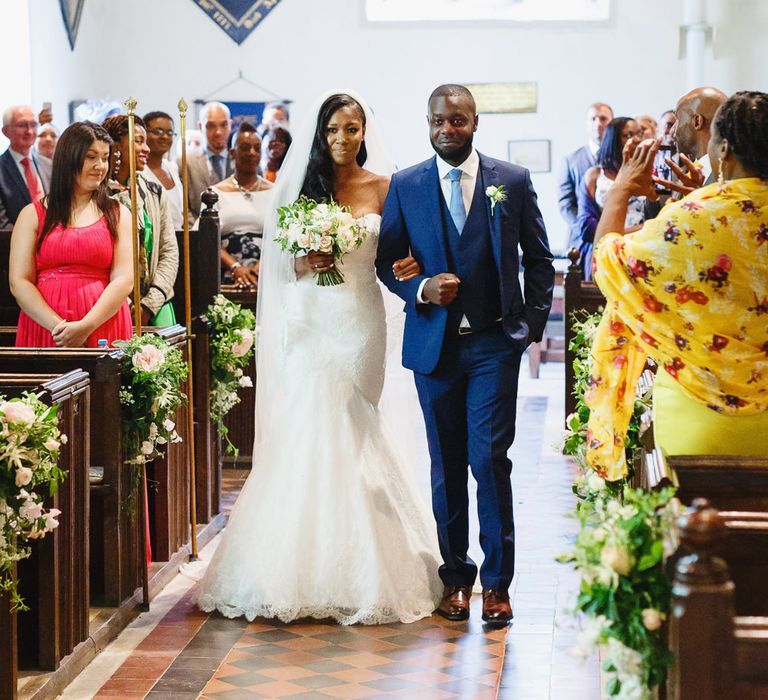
(190, 653)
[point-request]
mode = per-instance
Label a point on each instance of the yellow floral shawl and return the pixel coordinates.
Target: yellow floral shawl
(691, 290)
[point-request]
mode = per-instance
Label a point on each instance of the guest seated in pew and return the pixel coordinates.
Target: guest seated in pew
(161, 170)
(243, 205)
(277, 140)
(159, 251)
(596, 183)
(71, 265)
(690, 290)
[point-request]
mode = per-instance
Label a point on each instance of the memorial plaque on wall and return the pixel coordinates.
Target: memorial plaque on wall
(504, 98)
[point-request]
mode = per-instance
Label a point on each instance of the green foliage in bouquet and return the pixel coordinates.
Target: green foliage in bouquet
(152, 372)
(30, 443)
(233, 335)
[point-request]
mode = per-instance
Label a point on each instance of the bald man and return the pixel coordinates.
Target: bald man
(695, 111)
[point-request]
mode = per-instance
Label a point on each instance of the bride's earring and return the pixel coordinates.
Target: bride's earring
(720, 176)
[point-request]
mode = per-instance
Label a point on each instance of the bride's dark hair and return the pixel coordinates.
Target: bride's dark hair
(318, 182)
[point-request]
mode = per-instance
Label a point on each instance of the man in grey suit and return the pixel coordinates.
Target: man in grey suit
(212, 164)
(23, 176)
(577, 163)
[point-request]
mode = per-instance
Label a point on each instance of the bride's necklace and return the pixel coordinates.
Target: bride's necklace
(247, 191)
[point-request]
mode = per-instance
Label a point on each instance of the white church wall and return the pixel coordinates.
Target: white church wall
(158, 51)
(15, 76)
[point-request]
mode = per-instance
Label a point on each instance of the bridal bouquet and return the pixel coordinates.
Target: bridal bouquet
(307, 226)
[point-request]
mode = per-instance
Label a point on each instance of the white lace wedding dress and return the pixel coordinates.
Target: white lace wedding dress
(329, 523)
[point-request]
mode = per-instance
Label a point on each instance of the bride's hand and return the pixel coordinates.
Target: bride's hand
(406, 269)
(314, 263)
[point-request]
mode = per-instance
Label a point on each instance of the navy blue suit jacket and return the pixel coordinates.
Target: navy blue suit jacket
(571, 174)
(412, 220)
(14, 194)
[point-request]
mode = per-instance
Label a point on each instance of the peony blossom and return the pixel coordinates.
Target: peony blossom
(241, 347)
(149, 358)
(652, 619)
(23, 476)
(616, 557)
(17, 412)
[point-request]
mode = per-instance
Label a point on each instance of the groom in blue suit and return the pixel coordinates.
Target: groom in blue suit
(464, 216)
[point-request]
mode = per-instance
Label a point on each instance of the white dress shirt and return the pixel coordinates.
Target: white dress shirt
(18, 157)
(468, 181)
(706, 166)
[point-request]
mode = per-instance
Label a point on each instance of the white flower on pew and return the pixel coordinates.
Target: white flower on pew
(149, 358)
(595, 482)
(617, 558)
(30, 509)
(161, 440)
(238, 373)
(23, 476)
(245, 382)
(168, 424)
(652, 619)
(50, 519)
(63, 439)
(53, 445)
(589, 636)
(147, 448)
(16, 412)
(175, 437)
(152, 431)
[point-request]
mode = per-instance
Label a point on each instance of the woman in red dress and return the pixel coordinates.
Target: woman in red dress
(71, 267)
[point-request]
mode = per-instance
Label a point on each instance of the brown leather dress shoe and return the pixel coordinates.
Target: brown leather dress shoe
(497, 610)
(455, 603)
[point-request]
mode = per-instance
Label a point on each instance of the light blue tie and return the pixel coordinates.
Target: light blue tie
(456, 207)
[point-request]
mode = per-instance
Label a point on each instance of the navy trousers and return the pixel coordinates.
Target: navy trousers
(469, 404)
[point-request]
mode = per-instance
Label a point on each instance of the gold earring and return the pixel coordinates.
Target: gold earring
(720, 177)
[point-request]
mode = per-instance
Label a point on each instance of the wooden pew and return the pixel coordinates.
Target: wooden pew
(205, 272)
(113, 533)
(54, 580)
(579, 296)
(716, 654)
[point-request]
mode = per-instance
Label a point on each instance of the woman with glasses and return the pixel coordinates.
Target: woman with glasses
(161, 170)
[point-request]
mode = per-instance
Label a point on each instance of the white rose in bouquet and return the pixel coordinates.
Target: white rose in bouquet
(23, 476)
(616, 557)
(325, 244)
(51, 444)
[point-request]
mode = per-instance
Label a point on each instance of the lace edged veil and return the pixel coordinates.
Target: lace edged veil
(276, 271)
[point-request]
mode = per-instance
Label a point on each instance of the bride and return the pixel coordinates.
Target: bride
(329, 523)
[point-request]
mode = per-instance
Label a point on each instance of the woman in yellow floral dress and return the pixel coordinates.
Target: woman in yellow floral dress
(690, 290)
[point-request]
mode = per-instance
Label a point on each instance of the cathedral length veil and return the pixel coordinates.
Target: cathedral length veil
(276, 271)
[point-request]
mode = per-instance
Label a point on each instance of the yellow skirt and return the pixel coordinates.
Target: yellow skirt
(683, 426)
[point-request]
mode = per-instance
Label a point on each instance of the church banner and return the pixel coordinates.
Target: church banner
(238, 18)
(70, 13)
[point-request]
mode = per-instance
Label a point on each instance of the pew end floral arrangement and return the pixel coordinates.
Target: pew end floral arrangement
(625, 535)
(306, 226)
(30, 443)
(233, 341)
(152, 374)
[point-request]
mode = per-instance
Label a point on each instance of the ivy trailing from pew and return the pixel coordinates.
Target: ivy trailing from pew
(233, 330)
(152, 373)
(30, 442)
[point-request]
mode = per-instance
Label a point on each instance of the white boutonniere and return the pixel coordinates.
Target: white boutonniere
(496, 195)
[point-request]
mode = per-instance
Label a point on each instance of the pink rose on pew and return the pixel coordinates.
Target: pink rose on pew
(51, 444)
(23, 476)
(241, 347)
(149, 358)
(17, 412)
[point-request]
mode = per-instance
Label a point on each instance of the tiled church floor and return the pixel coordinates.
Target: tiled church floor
(175, 651)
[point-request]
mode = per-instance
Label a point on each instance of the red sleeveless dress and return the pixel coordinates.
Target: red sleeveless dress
(73, 269)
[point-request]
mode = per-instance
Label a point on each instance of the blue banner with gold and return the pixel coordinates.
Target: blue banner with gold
(238, 18)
